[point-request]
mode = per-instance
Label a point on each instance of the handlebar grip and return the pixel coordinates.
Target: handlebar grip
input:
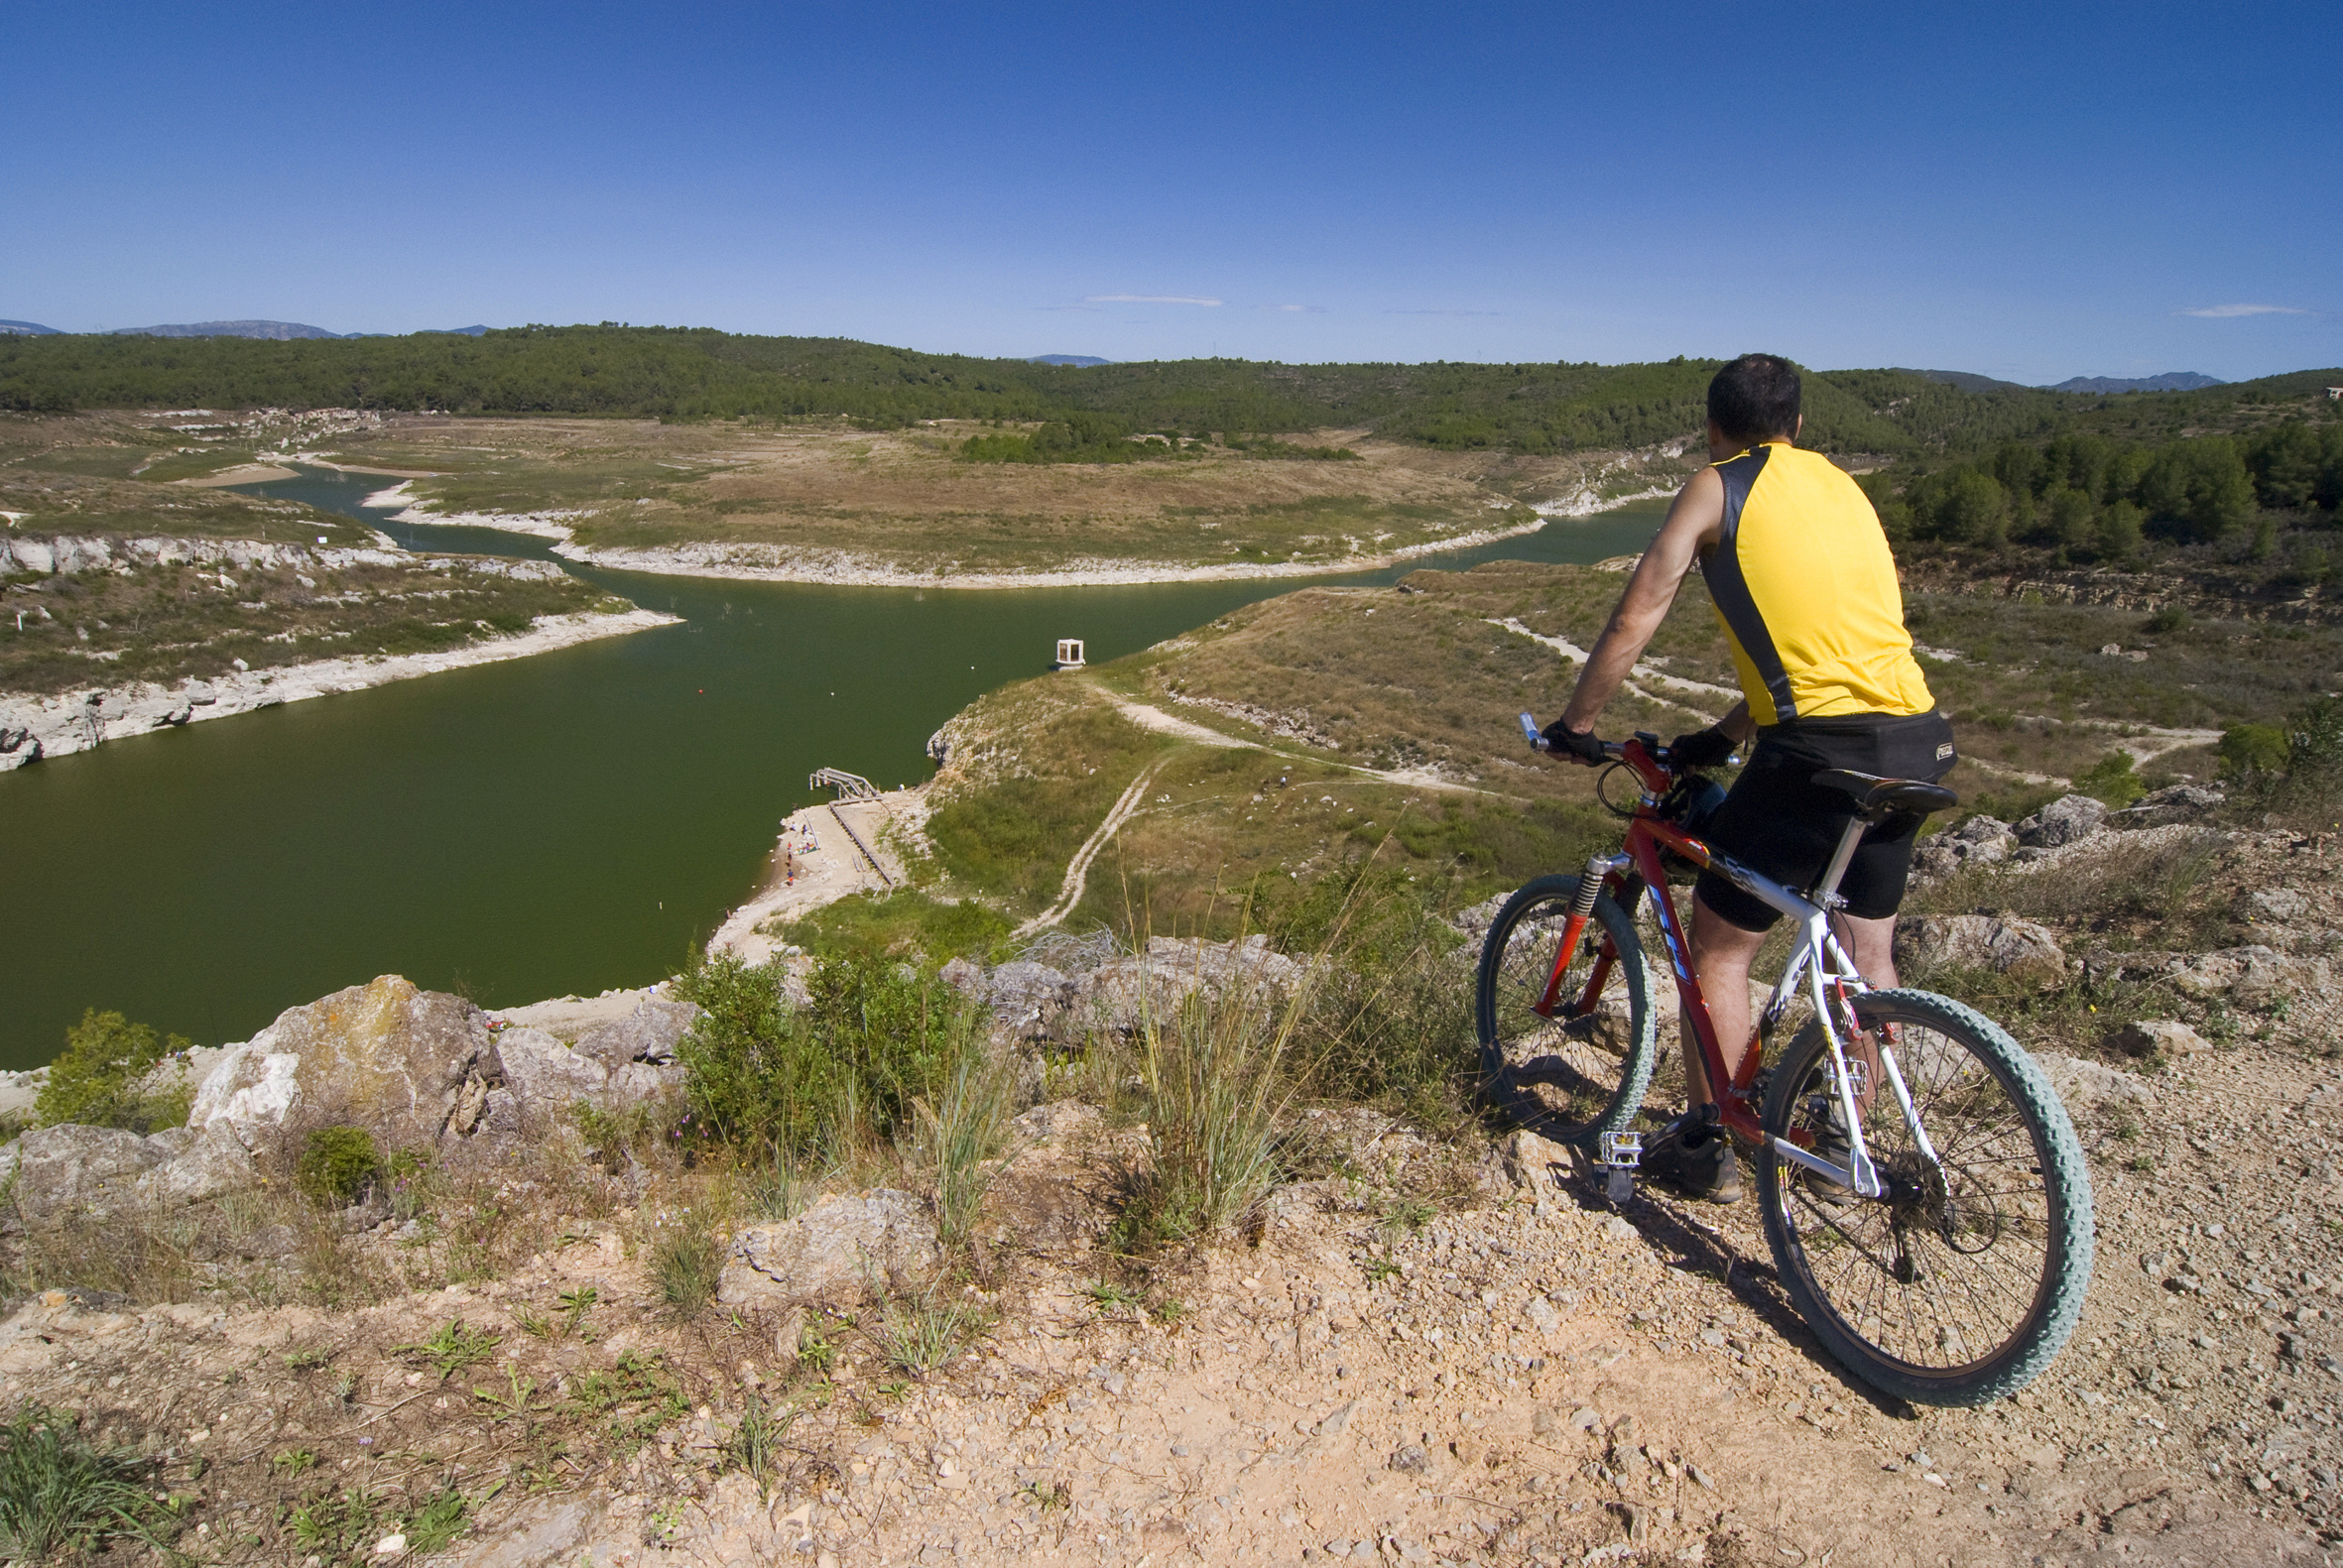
(1530, 728)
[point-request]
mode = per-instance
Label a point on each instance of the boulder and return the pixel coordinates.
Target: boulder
(386, 1056)
(2069, 819)
(2180, 802)
(1122, 995)
(649, 1033)
(1027, 998)
(200, 1166)
(965, 977)
(1976, 941)
(542, 1073)
(2159, 1037)
(55, 1173)
(831, 1251)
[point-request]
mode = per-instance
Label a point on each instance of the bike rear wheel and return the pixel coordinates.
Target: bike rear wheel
(1962, 1283)
(1570, 1079)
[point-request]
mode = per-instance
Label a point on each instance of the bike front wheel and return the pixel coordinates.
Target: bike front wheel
(1961, 1284)
(1581, 1071)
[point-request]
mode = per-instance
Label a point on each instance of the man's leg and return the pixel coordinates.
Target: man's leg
(1721, 956)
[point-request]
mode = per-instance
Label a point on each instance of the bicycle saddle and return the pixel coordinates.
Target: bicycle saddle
(1877, 798)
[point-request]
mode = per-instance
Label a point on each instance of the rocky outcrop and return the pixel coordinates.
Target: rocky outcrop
(1979, 841)
(1976, 941)
(417, 1069)
(1035, 1003)
(387, 1056)
(2069, 819)
(2180, 802)
(834, 1251)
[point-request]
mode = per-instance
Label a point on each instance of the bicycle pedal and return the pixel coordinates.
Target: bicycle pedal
(1619, 1154)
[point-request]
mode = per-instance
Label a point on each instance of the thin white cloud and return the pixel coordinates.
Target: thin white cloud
(2223, 313)
(1443, 312)
(1148, 298)
(1294, 310)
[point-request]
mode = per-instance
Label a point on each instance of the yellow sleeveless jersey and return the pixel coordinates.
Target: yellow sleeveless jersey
(1806, 588)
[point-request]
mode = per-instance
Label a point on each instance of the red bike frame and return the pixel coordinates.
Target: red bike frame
(1648, 837)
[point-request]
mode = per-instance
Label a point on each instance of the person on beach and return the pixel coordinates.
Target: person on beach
(1806, 586)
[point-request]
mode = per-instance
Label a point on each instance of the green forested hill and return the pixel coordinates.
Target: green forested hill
(699, 373)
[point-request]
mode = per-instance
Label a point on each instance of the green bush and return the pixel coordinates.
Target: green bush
(337, 1165)
(2249, 749)
(95, 1082)
(2111, 781)
(763, 1074)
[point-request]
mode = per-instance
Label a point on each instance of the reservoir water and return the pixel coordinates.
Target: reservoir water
(559, 824)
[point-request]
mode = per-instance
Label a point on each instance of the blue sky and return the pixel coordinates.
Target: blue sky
(2031, 191)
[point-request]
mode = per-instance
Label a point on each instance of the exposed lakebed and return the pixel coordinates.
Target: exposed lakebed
(564, 823)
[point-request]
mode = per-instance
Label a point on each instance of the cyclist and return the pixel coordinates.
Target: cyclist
(1805, 585)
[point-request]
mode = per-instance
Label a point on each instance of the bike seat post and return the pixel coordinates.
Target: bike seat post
(1825, 892)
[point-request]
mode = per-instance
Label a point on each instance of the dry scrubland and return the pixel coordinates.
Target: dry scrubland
(904, 500)
(196, 599)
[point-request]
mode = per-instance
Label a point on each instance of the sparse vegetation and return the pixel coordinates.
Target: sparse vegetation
(63, 1494)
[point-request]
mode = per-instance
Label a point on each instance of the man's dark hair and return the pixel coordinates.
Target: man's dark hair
(1756, 399)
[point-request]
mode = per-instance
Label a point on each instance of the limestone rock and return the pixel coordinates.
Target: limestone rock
(202, 1164)
(1531, 1159)
(649, 1033)
(544, 1074)
(385, 1056)
(63, 1172)
(965, 977)
(2085, 1085)
(2159, 1037)
(2252, 975)
(2275, 906)
(2069, 819)
(2180, 802)
(1979, 841)
(1119, 996)
(638, 1082)
(833, 1250)
(20, 1091)
(1027, 998)
(1976, 941)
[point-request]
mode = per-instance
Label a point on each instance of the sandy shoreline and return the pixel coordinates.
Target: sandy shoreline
(35, 727)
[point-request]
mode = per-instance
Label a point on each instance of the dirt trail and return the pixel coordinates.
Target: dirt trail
(1517, 1376)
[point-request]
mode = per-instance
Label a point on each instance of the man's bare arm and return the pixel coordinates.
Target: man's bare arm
(1693, 524)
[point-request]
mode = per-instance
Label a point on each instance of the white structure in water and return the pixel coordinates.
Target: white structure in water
(1069, 653)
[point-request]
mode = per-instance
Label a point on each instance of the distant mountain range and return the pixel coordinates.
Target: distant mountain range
(2169, 381)
(282, 332)
(1067, 359)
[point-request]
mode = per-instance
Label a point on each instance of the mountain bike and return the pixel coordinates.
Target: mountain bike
(1919, 1183)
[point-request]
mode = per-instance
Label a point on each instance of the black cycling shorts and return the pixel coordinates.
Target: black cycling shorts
(1779, 823)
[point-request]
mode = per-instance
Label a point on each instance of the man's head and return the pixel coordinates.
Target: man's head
(1754, 399)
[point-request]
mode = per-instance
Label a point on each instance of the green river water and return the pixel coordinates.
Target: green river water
(559, 824)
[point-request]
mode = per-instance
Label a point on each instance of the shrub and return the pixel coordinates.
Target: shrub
(766, 1075)
(2249, 749)
(2111, 781)
(96, 1081)
(338, 1165)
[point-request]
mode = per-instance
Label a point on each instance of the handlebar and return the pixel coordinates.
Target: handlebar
(1537, 741)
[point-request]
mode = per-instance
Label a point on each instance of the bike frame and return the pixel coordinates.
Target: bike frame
(1823, 966)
